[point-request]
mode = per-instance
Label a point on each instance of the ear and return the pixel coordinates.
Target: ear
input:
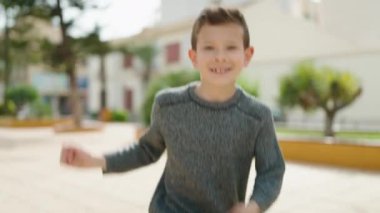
(192, 56)
(248, 54)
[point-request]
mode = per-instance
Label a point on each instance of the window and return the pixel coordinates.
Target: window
(172, 53)
(128, 61)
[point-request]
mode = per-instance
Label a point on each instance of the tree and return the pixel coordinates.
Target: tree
(23, 37)
(146, 54)
(67, 53)
(13, 11)
(93, 45)
(325, 88)
(22, 95)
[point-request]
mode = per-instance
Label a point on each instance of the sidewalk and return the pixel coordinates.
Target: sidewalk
(31, 179)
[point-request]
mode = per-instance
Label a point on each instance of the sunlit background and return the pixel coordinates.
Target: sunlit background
(90, 69)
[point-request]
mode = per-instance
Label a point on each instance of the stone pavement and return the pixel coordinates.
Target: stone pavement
(32, 180)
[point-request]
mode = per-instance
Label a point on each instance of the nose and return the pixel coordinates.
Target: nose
(220, 56)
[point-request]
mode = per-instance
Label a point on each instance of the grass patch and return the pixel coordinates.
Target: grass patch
(356, 135)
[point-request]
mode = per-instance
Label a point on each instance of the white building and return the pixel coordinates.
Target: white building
(338, 33)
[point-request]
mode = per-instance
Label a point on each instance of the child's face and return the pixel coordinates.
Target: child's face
(220, 54)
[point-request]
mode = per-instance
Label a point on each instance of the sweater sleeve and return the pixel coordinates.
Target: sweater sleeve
(269, 163)
(148, 149)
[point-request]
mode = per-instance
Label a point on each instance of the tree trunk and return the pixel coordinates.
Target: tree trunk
(75, 103)
(146, 75)
(103, 84)
(329, 121)
(7, 60)
(69, 61)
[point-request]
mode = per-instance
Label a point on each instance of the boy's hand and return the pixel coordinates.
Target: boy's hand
(252, 207)
(78, 158)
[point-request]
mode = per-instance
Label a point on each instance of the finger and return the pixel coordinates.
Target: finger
(70, 156)
(62, 156)
(74, 156)
(65, 155)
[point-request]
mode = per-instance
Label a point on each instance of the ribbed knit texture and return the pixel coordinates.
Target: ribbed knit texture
(210, 147)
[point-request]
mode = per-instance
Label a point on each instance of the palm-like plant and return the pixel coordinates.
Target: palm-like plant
(93, 45)
(145, 53)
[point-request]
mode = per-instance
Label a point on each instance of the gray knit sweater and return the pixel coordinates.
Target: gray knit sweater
(210, 147)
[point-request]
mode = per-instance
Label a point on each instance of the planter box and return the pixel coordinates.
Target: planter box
(87, 126)
(14, 123)
(336, 154)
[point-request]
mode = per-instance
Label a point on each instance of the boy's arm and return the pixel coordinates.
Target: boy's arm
(148, 150)
(269, 163)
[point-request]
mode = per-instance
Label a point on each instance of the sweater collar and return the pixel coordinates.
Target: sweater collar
(213, 105)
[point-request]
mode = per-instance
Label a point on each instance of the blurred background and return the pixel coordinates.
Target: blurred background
(83, 58)
(76, 66)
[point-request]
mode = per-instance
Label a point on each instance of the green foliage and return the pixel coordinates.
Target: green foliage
(16, 37)
(145, 52)
(24, 38)
(311, 87)
(302, 87)
(16, 3)
(40, 109)
(21, 95)
(340, 88)
(94, 115)
(251, 87)
(1, 66)
(8, 108)
(172, 79)
(119, 115)
(325, 88)
(92, 44)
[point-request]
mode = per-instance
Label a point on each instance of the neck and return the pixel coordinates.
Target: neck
(214, 93)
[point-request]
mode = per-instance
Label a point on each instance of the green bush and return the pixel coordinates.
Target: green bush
(179, 78)
(172, 79)
(21, 95)
(119, 115)
(8, 109)
(40, 109)
(251, 87)
(94, 115)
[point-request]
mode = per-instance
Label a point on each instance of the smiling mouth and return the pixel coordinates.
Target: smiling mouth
(220, 70)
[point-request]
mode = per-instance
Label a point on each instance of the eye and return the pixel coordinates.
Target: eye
(208, 47)
(231, 47)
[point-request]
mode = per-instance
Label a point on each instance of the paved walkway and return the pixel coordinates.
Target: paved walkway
(31, 179)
